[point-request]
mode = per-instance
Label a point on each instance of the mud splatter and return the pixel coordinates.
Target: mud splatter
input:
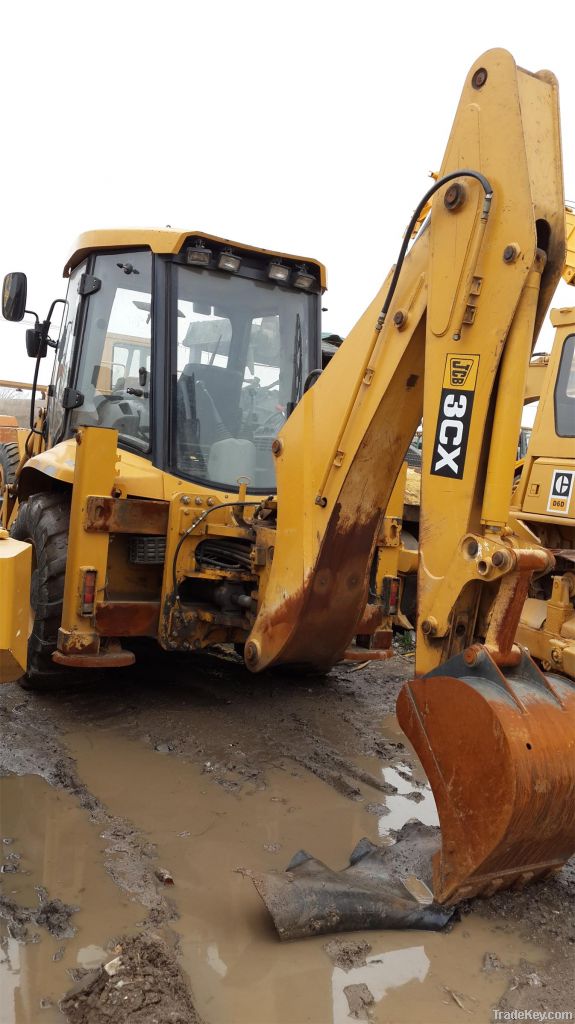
(141, 982)
(347, 954)
(53, 915)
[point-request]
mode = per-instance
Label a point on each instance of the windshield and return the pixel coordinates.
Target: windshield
(242, 358)
(114, 371)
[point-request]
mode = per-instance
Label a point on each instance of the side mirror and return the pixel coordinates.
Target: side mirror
(14, 294)
(36, 344)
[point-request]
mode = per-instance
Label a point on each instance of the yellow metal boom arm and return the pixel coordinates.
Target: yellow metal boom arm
(455, 348)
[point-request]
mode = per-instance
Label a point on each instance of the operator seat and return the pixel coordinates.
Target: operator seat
(199, 422)
(223, 387)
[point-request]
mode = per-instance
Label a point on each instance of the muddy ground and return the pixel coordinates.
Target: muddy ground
(132, 808)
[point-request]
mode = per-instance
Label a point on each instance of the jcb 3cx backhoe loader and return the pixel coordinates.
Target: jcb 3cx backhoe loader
(192, 489)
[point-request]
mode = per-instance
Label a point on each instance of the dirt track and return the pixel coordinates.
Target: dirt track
(190, 770)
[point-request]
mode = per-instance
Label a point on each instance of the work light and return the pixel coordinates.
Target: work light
(303, 279)
(227, 261)
(199, 254)
(278, 272)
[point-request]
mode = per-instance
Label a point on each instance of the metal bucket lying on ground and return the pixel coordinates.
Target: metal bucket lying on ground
(499, 753)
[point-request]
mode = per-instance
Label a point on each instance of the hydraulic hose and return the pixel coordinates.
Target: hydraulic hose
(196, 522)
(321, 499)
(431, 192)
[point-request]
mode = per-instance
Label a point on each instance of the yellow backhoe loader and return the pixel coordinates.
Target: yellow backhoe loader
(544, 502)
(202, 482)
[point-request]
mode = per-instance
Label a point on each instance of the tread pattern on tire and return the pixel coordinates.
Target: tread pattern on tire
(9, 459)
(44, 519)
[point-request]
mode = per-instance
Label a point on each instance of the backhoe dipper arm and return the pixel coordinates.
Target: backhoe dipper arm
(454, 347)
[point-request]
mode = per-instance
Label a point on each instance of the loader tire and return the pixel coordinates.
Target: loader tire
(9, 459)
(43, 521)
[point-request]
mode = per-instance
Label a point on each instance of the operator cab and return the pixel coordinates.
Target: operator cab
(194, 348)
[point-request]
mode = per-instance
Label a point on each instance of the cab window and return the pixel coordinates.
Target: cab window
(565, 391)
(61, 373)
(113, 377)
(242, 357)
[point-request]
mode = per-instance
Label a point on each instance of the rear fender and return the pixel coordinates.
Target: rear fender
(48, 470)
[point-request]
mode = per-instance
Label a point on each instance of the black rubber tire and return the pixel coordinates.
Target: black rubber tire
(9, 459)
(44, 520)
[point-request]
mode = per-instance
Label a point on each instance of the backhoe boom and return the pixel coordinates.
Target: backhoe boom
(470, 297)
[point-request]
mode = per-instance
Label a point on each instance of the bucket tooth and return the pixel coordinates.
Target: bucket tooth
(499, 753)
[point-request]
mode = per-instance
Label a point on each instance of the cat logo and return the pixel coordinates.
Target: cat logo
(561, 491)
(452, 433)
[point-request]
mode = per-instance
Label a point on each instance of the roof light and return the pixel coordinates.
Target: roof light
(199, 255)
(278, 272)
(227, 261)
(303, 279)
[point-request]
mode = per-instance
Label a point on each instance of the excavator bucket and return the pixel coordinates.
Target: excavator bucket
(499, 753)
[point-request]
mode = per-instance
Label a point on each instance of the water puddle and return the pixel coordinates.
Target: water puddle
(401, 806)
(239, 972)
(380, 974)
(54, 845)
(413, 799)
(390, 730)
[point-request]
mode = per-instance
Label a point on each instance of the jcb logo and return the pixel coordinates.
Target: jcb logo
(459, 371)
(449, 450)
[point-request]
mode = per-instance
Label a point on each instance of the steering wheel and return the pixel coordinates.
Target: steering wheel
(128, 394)
(274, 417)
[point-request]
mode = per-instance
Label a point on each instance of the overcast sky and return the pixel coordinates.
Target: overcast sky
(307, 127)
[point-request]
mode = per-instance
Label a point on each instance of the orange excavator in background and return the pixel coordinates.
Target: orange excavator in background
(141, 526)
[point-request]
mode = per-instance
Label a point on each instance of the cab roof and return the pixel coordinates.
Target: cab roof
(167, 241)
